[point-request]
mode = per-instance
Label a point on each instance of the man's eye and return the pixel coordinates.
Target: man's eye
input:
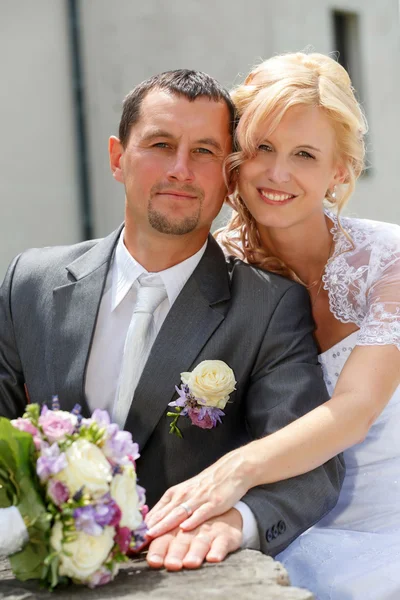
(304, 154)
(161, 145)
(202, 151)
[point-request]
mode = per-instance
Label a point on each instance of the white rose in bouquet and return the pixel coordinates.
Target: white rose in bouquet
(211, 380)
(124, 492)
(85, 555)
(87, 467)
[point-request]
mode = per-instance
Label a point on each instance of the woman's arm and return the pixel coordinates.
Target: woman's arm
(366, 384)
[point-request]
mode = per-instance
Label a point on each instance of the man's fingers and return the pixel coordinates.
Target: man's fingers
(220, 547)
(197, 552)
(158, 550)
(177, 551)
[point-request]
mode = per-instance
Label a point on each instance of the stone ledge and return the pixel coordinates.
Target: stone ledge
(245, 575)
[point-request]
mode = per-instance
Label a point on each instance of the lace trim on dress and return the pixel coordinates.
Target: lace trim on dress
(345, 284)
(353, 271)
(383, 327)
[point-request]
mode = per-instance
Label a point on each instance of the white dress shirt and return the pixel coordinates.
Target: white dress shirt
(116, 307)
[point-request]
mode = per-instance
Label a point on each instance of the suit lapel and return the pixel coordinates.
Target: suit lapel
(75, 309)
(195, 315)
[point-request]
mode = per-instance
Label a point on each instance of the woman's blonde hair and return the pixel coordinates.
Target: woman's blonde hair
(270, 89)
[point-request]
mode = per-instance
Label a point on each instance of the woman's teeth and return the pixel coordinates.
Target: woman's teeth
(276, 197)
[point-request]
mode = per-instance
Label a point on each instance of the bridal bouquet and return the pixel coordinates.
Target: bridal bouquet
(73, 480)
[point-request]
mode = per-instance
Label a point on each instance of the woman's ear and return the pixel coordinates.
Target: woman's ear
(233, 177)
(341, 175)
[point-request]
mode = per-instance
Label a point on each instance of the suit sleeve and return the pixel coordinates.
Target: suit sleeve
(288, 374)
(12, 393)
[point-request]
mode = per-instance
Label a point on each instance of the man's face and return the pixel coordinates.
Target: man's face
(172, 163)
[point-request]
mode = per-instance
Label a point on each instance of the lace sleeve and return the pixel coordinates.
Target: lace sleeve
(381, 323)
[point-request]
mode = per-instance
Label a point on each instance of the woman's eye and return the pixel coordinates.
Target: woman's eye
(304, 154)
(265, 148)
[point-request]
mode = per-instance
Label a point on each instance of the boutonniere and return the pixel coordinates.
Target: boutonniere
(203, 395)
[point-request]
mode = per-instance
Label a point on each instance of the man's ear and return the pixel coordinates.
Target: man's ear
(115, 151)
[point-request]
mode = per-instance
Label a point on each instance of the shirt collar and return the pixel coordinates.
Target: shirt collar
(126, 271)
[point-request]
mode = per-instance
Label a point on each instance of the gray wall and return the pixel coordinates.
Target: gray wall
(38, 187)
(126, 41)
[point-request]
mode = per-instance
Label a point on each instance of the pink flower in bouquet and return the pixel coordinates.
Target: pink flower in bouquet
(123, 538)
(57, 492)
(57, 424)
(24, 425)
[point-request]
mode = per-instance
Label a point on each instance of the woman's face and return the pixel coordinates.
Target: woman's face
(285, 183)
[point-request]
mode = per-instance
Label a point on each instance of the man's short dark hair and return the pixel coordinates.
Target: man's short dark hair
(182, 82)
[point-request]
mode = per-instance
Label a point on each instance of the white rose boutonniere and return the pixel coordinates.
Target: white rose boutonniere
(203, 395)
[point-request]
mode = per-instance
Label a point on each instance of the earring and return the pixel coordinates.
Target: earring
(333, 193)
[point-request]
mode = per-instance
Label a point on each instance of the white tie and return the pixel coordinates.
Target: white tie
(138, 343)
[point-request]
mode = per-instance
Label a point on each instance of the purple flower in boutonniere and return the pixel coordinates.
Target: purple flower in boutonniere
(203, 394)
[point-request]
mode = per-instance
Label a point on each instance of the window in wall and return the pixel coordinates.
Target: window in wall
(347, 45)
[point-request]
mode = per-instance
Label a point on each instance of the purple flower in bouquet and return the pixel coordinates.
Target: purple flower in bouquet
(50, 462)
(119, 444)
(85, 520)
(56, 425)
(94, 517)
(57, 492)
(141, 492)
(107, 512)
(100, 577)
(140, 536)
(101, 417)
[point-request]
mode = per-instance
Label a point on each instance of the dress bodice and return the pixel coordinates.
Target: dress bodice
(353, 553)
(375, 459)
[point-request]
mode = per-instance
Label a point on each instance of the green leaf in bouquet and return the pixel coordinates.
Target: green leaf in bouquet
(20, 487)
(8, 465)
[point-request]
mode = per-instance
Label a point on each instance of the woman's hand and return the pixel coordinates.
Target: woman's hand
(209, 494)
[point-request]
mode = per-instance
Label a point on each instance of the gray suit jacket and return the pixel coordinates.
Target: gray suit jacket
(257, 322)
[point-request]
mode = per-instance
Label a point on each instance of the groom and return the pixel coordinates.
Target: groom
(66, 312)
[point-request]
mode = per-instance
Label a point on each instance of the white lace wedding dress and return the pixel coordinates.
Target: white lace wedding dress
(354, 552)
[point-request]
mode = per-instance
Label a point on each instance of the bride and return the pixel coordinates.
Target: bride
(301, 150)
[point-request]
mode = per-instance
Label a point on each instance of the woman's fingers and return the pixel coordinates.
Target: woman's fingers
(168, 520)
(203, 513)
(158, 509)
(209, 494)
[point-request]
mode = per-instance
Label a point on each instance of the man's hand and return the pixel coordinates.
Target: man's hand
(211, 541)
